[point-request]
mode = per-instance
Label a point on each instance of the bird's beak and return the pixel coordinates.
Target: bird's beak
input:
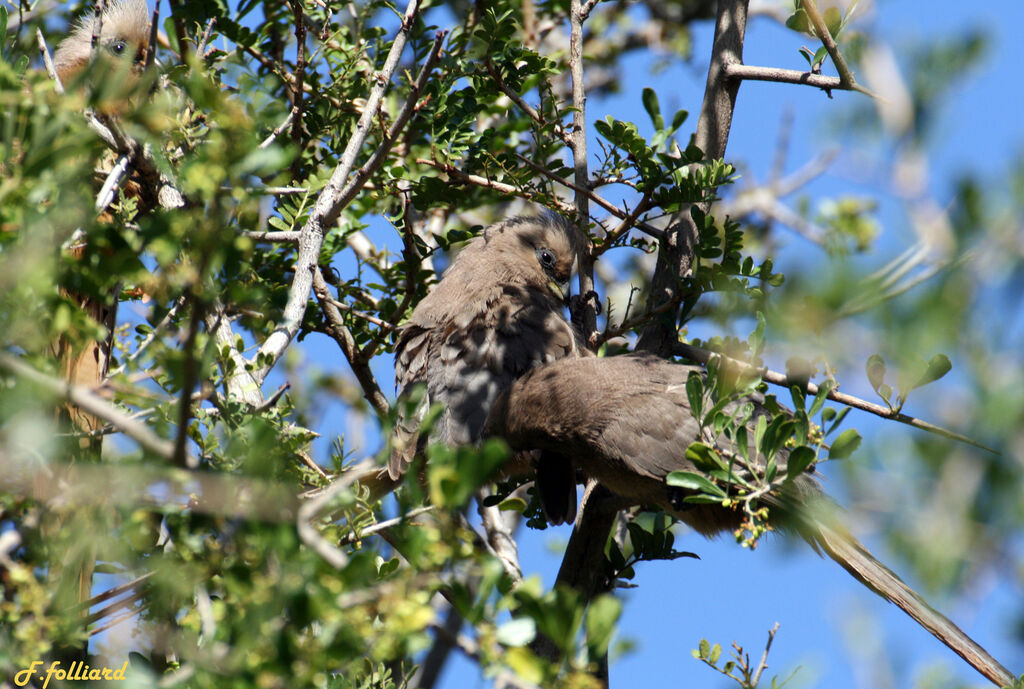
(560, 290)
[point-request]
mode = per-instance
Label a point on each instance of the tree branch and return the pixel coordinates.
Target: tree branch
(578, 12)
(336, 328)
(676, 254)
(789, 76)
(91, 403)
(775, 378)
(845, 73)
(340, 190)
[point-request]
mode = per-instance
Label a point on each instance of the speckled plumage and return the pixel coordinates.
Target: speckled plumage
(493, 316)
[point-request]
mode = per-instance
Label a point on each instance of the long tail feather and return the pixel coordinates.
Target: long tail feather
(856, 560)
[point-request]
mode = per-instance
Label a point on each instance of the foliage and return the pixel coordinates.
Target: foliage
(226, 563)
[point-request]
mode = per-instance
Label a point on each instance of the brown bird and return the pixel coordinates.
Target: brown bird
(496, 313)
(124, 34)
(626, 422)
(85, 361)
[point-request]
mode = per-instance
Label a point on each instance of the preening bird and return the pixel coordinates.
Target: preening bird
(496, 313)
(124, 34)
(626, 421)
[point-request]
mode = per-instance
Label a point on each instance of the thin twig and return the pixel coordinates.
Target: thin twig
(201, 48)
(578, 12)
(763, 665)
(282, 237)
(311, 510)
(845, 73)
(790, 76)
(113, 592)
(92, 404)
(48, 62)
(161, 487)
(526, 107)
(329, 204)
(297, 85)
(113, 181)
(477, 180)
(273, 399)
(127, 615)
(591, 196)
(627, 223)
(278, 129)
(316, 468)
(179, 29)
(336, 328)
(384, 525)
(775, 378)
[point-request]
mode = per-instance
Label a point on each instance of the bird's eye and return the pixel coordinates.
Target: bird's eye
(118, 47)
(546, 257)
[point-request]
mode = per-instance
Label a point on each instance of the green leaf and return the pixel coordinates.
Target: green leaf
(799, 460)
(833, 21)
(513, 505)
(938, 366)
(695, 392)
(756, 339)
(602, 615)
(819, 56)
(703, 457)
(518, 632)
(678, 119)
(845, 445)
(885, 392)
(798, 21)
(799, 400)
(650, 100)
(819, 399)
(716, 653)
(692, 481)
(875, 368)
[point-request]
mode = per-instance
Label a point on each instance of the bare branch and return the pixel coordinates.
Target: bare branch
(341, 189)
(278, 129)
(526, 107)
(789, 76)
(91, 403)
(479, 181)
(591, 196)
(202, 492)
(336, 328)
(282, 237)
(763, 665)
(113, 181)
(48, 62)
(578, 12)
(676, 254)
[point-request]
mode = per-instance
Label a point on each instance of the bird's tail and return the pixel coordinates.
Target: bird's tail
(855, 559)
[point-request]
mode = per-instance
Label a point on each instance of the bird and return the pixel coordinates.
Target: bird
(124, 34)
(84, 360)
(497, 312)
(626, 422)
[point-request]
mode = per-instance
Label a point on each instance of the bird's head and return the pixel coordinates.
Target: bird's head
(124, 35)
(542, 248)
